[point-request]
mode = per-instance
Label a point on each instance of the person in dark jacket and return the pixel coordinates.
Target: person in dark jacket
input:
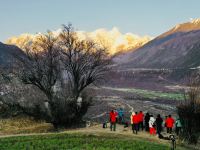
(159, 122)
(146, 120)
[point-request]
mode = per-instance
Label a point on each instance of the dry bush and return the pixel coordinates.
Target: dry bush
(189, 111)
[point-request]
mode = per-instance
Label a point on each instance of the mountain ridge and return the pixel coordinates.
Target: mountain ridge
(166, 51)
(7, 53)
(183, 27)
(113, 39)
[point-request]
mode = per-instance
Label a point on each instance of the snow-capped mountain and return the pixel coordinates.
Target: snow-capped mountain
(194, 24)
(114, 40)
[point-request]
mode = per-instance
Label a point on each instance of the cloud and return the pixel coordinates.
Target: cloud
(113, 39)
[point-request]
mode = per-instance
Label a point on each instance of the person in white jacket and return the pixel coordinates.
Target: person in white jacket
(131, 117)
(152, 125)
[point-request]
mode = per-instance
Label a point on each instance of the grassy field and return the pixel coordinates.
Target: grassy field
(150, 94)
(22, 124)
(13, 136)
(76, 141)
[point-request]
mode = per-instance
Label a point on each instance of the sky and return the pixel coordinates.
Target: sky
(142, 17)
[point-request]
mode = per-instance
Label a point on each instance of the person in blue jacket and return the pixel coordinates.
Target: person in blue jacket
(120, 115)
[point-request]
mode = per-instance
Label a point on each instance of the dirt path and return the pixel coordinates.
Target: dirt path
(99, 131)
(129, 106)
(100, 115)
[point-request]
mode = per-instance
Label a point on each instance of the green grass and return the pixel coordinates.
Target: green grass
(77, 142)
(150, 94)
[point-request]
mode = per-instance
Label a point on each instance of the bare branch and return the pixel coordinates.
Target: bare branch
(85, 61)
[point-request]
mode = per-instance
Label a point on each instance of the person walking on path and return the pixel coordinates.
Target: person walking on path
(121, 116)
(152, 125)
(178, 125)
(169, 123)
(141, 118)
(113, 119)
(117, 115)
(135, 123)
(159, 122)
(131, 118)
(146, 120)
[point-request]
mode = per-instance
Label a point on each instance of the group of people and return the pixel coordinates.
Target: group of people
(156, 125)
(139, 121)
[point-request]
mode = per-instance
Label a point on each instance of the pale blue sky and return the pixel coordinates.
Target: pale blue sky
(143, 17)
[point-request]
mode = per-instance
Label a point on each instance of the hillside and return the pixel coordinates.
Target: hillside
(7, 53)
(173, 49)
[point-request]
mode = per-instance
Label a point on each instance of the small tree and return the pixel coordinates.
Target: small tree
(189, 111)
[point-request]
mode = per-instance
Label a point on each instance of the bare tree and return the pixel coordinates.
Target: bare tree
(85, 61)
(49, 59)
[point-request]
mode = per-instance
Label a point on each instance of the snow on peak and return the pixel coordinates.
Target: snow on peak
(177, 26)
(195, 21)
(113, 39)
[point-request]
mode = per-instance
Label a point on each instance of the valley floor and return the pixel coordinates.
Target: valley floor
(131, 99)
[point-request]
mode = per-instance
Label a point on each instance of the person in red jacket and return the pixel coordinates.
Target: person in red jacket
(113, 119)
(141, 118)
(135, 122)
(169, 123)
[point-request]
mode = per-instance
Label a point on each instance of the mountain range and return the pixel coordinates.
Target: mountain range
(113, 39)
(177, 48)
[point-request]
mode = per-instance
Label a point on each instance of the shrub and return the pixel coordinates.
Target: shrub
(189, 112)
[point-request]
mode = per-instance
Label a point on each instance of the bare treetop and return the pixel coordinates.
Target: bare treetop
(85, 61)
